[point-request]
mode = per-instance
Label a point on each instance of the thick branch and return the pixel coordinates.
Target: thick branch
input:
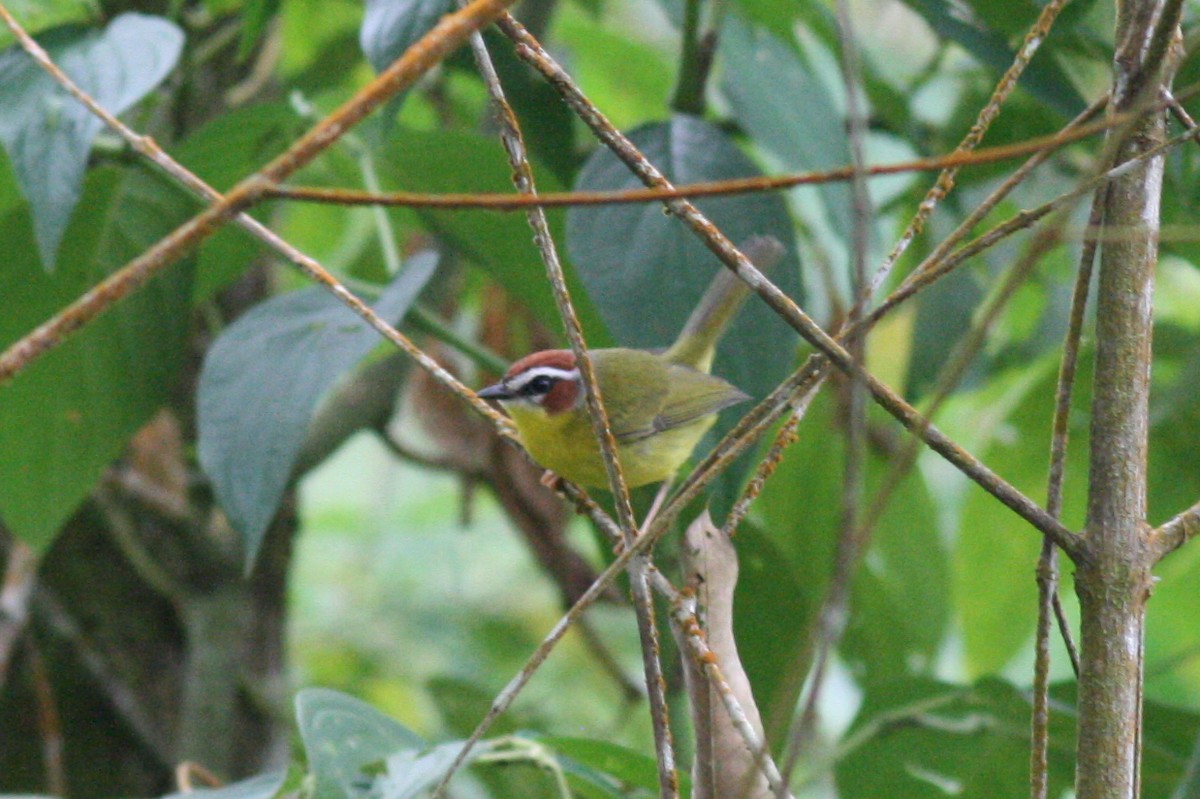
(1113, 577)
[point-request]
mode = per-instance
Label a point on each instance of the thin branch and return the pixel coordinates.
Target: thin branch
(852, 537)
(643, 602)
(506, 202)
(1026, 219)
(1047, 568)
(1175, 533)
(49, 721)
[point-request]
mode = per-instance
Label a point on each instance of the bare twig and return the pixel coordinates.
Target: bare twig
(1176, 532)
(1047, 568)
(510, 133)
(504, 202)
(49, 721)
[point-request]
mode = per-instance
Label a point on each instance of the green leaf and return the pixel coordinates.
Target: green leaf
(36, 16)
(774, 93)
(547, 124)
(255, 17)
(391, 26)
(920, 739)
(772, 608)
(261, 383)
(48, 134)
(944, 315)
(261, 786)
(223, 152)
(899, 601)
(646, 271)
(607, 765)
(995, 550)
(343, 736)
(501, 244)
(66, 417)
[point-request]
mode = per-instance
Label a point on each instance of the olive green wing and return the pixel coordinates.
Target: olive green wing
(639, 378)
(692, 396)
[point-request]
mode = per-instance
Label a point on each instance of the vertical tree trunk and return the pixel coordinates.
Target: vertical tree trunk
(1113, 578)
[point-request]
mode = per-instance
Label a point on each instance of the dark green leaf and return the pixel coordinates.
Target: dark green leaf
(48, 134)
(255, 16)
(547, 124)
(501, 244)
(771, 610)
(944, 313)
(223, 152)
(342, 737)
(646, 271)
(66, 418)
(391, 26)
(262, 786)
(621, 766)
(261, 383)
(921, 740)
(36, 16)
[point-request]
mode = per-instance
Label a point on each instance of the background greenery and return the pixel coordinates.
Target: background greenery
(414, 579)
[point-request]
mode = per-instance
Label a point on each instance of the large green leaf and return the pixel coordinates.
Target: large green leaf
(501, 244)
(48, 134)
(919, 739)
(261, 383)
(996, 551)
(899, 601)
(342, 737)
(646, 271)
(775, 93)
(65, 418)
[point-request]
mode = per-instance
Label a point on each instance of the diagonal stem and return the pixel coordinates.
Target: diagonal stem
(514, 145)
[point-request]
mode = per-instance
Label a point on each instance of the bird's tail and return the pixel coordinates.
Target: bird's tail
(697, 342)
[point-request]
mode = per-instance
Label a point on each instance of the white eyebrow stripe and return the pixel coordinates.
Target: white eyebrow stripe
(523, 379)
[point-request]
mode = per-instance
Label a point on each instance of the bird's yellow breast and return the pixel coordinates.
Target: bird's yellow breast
(564, 443)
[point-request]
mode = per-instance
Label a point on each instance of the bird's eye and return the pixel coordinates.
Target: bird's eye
(538, 385)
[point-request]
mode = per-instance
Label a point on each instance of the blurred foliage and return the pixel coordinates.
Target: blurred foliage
(408, 590)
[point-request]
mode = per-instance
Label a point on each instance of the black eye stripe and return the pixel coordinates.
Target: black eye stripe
(538, 385)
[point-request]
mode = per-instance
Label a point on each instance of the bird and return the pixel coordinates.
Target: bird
(659, 404)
